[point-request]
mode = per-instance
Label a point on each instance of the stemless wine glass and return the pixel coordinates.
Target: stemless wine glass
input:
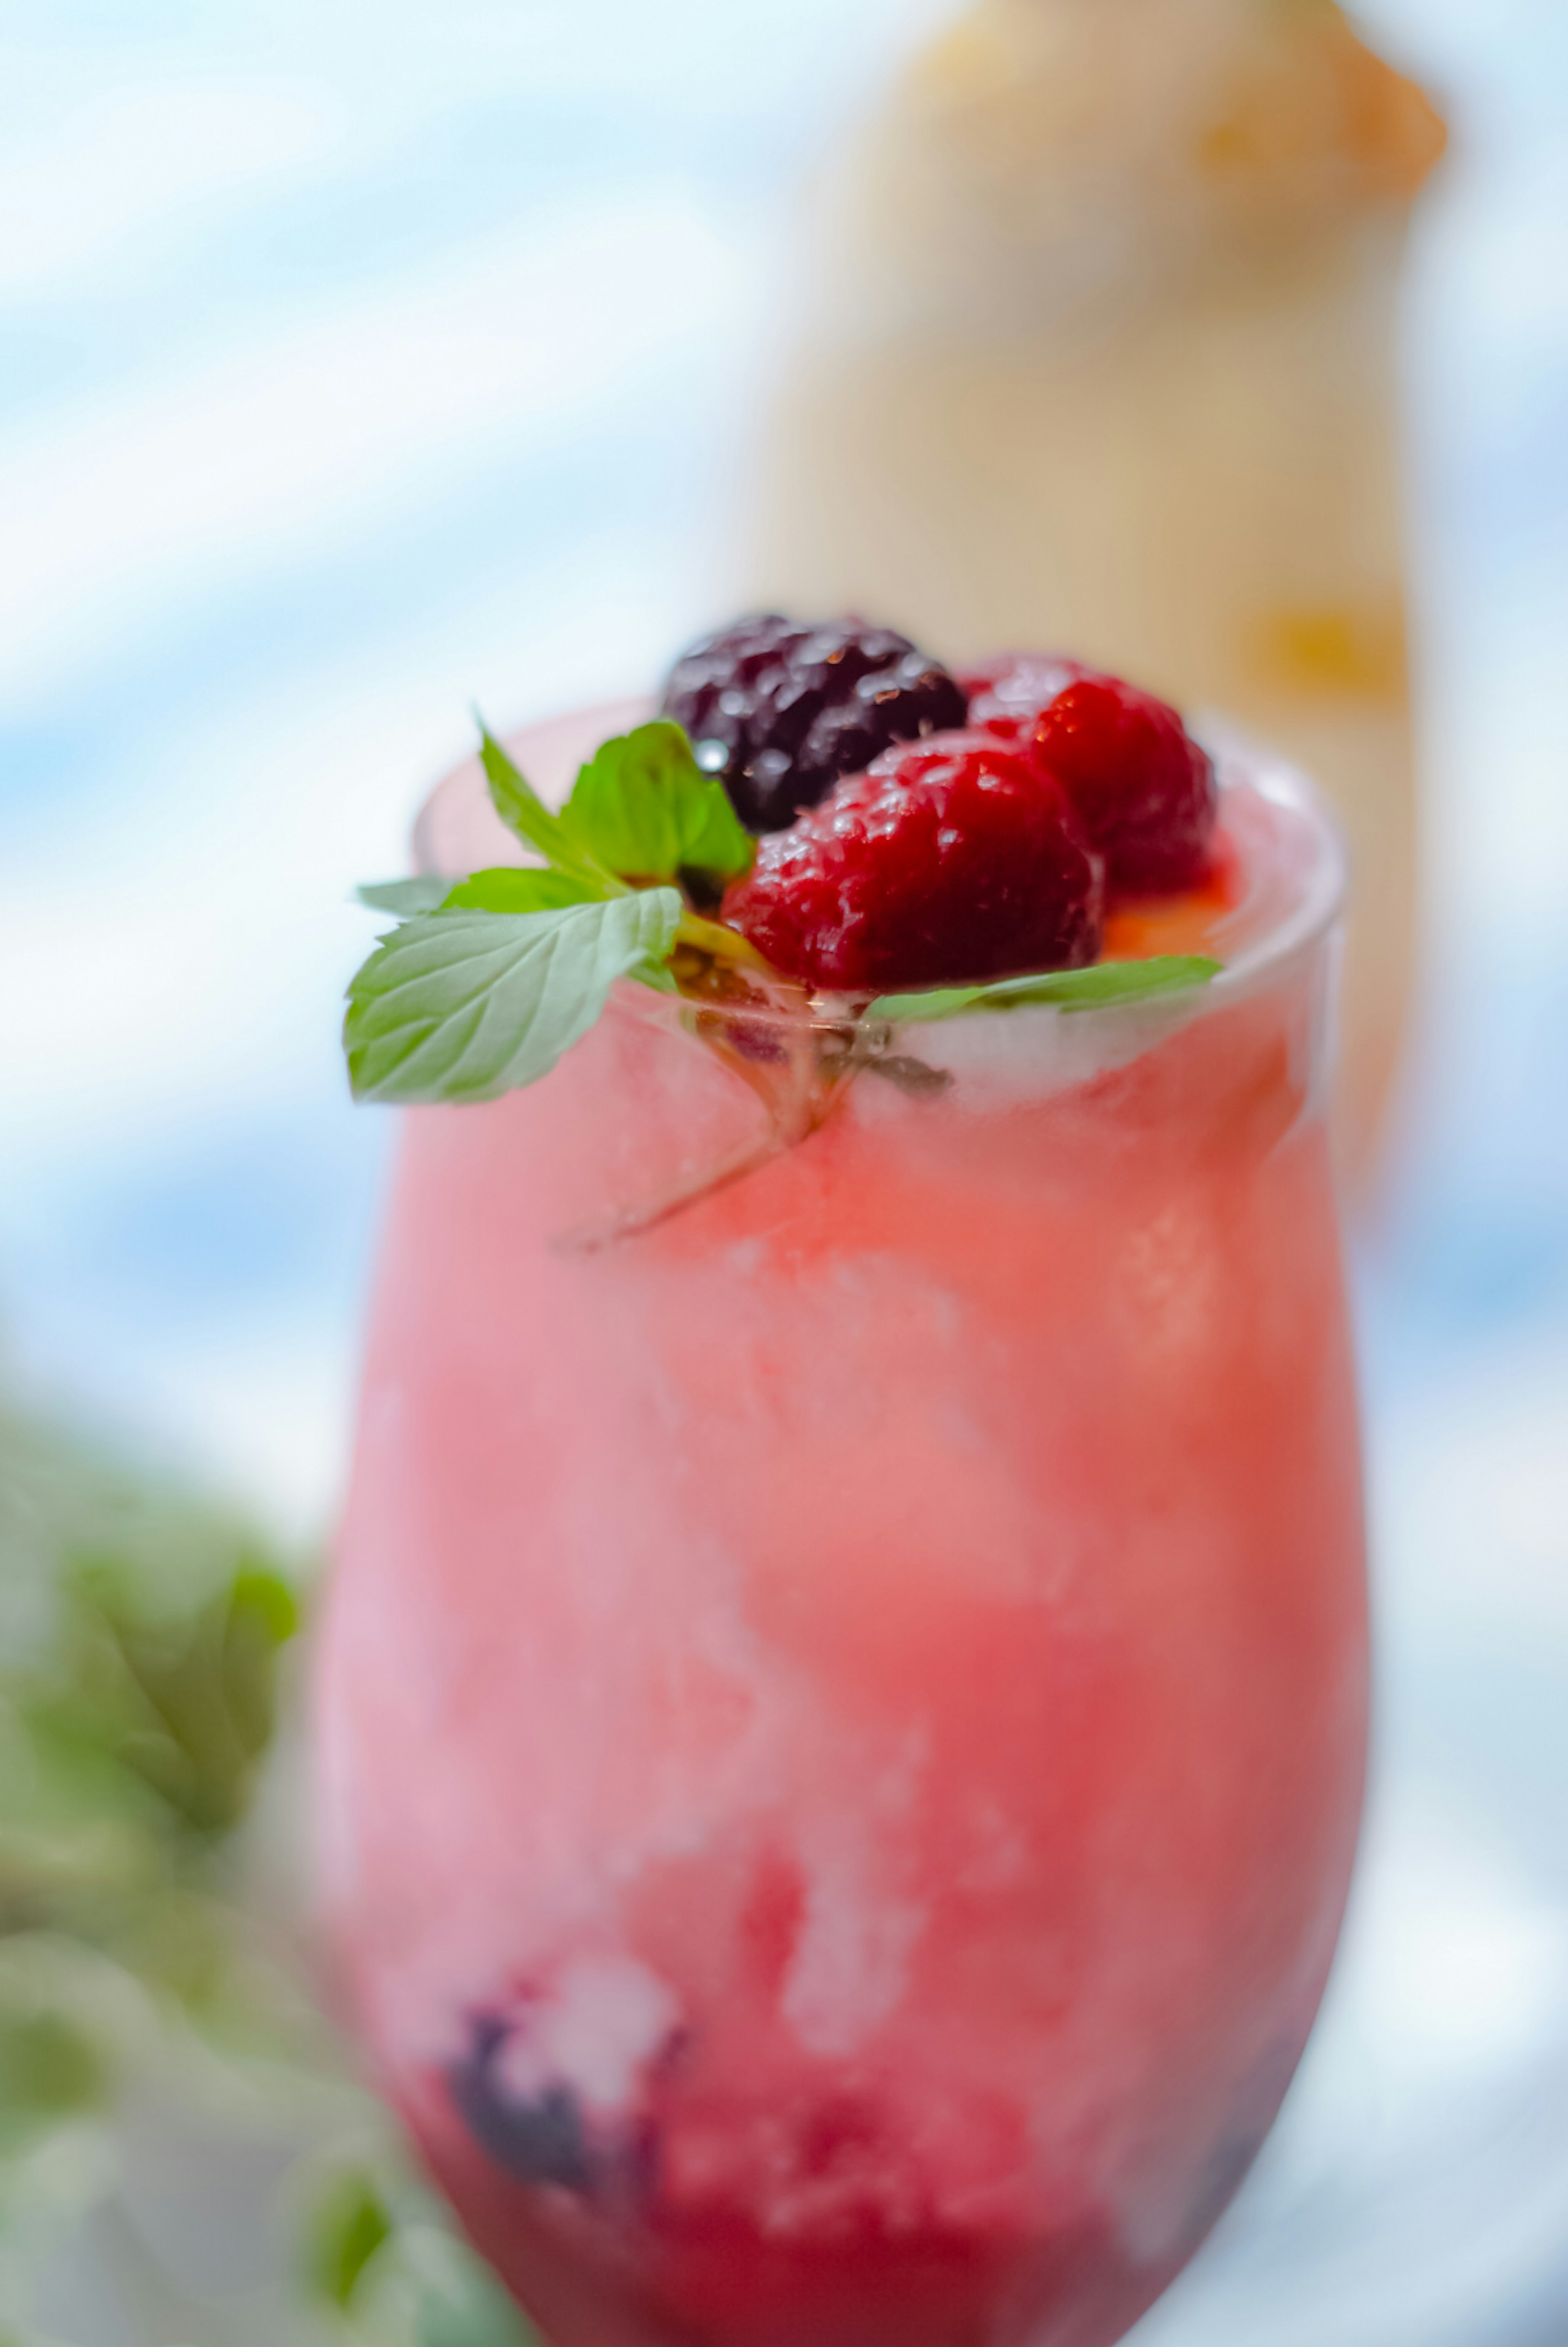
(842, 1706)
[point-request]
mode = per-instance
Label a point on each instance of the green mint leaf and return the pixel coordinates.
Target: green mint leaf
(643, 808)
(1105, 985)
(465, 1006)
(657, 974)
(514, 888)
(941, 1002)
(522, 810)
(422, 894)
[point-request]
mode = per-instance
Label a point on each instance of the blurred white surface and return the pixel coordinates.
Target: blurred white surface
(356, 365)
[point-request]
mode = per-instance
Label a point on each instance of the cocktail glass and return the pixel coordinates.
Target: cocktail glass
(842, 1706)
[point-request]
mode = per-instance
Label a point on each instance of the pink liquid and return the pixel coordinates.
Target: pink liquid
(843, 1709)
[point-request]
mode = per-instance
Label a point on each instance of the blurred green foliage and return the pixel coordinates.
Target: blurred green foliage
(139, 1638)
(351, 2223)
(155, 2007)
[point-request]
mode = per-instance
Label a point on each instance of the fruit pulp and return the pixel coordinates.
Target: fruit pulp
(842, 1706)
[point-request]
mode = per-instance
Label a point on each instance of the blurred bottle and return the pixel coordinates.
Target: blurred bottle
(1098, 351)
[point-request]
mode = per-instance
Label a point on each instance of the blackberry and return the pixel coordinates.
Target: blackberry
(781, 711)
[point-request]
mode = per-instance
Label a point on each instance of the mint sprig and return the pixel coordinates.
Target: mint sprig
(643, 805)
(1100, 988)
(641, 810)
(421, 894)
(491, 978)
(514, 888)
(522, 810)
(463, 1006)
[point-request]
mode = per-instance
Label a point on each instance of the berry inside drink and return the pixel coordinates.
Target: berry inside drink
(843, 1703)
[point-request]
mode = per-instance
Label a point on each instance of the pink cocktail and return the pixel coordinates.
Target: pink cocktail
(843, 1703)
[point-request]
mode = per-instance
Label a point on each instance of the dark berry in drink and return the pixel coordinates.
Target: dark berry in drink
(781, 710)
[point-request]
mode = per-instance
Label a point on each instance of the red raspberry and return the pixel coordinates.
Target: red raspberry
(1142, 789)
(948, 861)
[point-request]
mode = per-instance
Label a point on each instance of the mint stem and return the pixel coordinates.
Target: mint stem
(724, 944)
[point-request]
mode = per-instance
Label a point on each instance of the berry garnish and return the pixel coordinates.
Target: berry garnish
(950, 861)
(1144, 790)
(781, 711)
(952, 872)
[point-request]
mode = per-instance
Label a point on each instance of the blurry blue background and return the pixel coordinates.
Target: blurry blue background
(354, 364)
(359, 363)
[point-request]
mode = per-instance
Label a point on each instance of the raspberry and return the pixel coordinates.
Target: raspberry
(1142, 789)
(781, 711)
(950, 861)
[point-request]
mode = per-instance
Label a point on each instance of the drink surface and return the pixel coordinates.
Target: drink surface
(842, 1708)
